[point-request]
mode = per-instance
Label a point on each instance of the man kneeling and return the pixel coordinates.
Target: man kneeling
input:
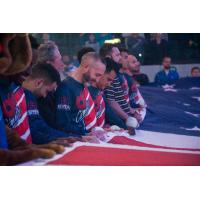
(43, 79)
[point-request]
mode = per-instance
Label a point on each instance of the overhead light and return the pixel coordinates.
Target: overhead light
(113, 41)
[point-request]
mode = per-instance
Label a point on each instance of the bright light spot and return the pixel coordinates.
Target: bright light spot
(113, 41)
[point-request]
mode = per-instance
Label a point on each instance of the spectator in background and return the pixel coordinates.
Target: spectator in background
(83, 38)
(132, 66)
(45, 38)
(69, 67)
(195, 72)
(92, 43)
(156, 49)
(75, 61)
(135, 45)
(168, 75)
(49, 53)
(101, 37)
(83, 51)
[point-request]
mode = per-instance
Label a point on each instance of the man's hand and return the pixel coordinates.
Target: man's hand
(91, 139)
(100, 134)
(138, 117)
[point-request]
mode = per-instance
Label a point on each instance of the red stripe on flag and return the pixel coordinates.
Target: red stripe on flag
(128, 141)
(89, 155)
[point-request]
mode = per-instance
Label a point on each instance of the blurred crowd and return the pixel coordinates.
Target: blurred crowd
(149, 48)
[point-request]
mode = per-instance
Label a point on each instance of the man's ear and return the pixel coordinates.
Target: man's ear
(85, 67)
(38, 83)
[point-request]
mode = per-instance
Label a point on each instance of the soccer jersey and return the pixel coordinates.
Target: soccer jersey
(75, 109)
(97, 97)
(3, 138)
(14, 108)
(136, 99)
(41, 132)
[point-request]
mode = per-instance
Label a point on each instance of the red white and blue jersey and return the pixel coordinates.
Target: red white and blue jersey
(3, 138)
(97, 97)
(14, 108)
(41, 132)
(124, 85)
(75, 109)
(136, 99)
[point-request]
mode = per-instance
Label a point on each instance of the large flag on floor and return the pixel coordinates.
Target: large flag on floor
(173, 109)
(169, 135)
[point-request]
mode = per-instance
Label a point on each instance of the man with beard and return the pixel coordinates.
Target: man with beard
(104, 113)
(141, 78)
(137, 102)
(117, 94)
(168, 75)
(75, 110)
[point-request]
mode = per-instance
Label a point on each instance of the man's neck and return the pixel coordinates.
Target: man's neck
(166, 69)
(135, 72)
(27, 86)
(77, 75)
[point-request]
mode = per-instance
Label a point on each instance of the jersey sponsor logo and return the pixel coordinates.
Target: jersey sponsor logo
(63, 105)
(33, 112)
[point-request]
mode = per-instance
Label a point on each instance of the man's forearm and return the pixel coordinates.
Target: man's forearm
(116, 107)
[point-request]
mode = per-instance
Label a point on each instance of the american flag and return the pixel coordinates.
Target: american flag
(169, 135)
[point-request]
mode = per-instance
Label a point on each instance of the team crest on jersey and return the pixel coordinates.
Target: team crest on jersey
(81, 101)
(9, 107)
(11, 112)
(83, 105)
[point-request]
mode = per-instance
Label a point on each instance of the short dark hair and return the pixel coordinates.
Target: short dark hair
(45, 71)
(83, 51)
(106, 50)
(166, 57)
(195, 68)
(111, 65)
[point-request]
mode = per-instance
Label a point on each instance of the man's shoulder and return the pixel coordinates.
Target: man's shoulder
(173, 69)
(66, 84)
(29, 95)
(93, 89)
(161, 72)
